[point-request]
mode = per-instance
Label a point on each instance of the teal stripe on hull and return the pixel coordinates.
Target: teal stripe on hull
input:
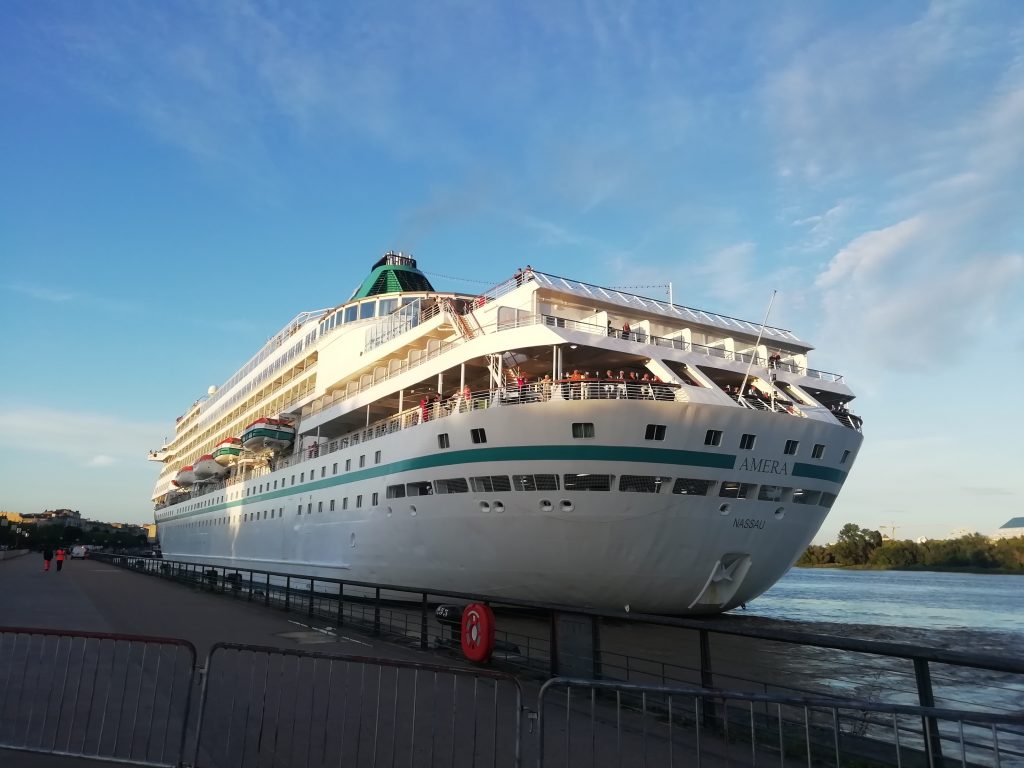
(521, 453)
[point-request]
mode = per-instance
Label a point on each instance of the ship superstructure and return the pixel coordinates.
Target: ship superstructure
(548, 439)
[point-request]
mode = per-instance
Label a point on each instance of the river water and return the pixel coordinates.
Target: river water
(944, 606)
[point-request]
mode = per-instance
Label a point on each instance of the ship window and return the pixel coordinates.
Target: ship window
(846, 455)
(791, 446)
(323, 471)
(375, 498)
(827, 499)
(713, 437)
(275, 485)
(367, 309)
(319, 507)
(386, 306)
(359, 501)
(582, 429)
(804, 496)
(655, 432)
(418, 489)
(395, 492)
(344, 503)
(535, 482)
(293, 479)
(479, 435)
(334, 468)
(348, 464)
(588, 482)
(302, 477)
(641, 483)
(351, 313)
(747, 442)
(818, 451)
(730, 490)
(299, 511)
(442, 440)
(362, 460)
(261, 488)
(309, 508)
(331, 507)
(376, 458)
(453, 485)
(490, 483)
(771, 493)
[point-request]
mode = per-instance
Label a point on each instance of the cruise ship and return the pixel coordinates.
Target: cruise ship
(547, 439)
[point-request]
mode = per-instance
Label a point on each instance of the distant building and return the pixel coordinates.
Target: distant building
(1010, 529)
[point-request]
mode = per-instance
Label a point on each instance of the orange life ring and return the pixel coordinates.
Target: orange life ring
(477, 632)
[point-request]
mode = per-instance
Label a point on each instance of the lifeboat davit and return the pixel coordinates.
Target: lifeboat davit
(186, 477)
(207, 467)
(227, 451)
(268, 434)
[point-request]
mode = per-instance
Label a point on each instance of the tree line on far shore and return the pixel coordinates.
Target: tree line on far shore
(863, 547)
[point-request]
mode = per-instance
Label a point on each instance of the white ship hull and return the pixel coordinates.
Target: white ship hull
(659, 552)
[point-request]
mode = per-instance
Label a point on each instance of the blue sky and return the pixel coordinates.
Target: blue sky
(179, 179)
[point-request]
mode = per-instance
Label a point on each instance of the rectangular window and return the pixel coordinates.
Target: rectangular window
(309, 508)
(395, 492)
(319, 507)
(692, 487)
(804, 496)
(442, 440)
(375, 498)
(302, 477)
(331, 508)
(348, 464)
(747, 442)
(535, 482)
(490, 484)
(359, 501)
(827, 499)
(293, 479)
(730, 490)
(261, 488)
(453, 485)
(367, 309)
(323, 471)
(582, 429)
(587, 482)
(350, 313)
(275, 485)
(846, 455)
(334, 469)
(713, 437)
(479, 435)
(362, 460)
(818, 451)
(771, 493)
(344, 503)
(641, 483)
(299, 510)
(791, 446)
(419, 489)
(654, 432)
(376, 458)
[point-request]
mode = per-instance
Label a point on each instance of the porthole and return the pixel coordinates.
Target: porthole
(567, 506)
(485, 506)
(780, 513)
(499, 507)
(412, 510)
(723, 509)
(545, 505)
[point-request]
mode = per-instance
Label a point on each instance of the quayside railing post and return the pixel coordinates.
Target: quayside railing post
(423, 622)
(929, 725)
(707, 680)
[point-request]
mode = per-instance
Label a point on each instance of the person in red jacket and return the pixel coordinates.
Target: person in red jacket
(60, 558)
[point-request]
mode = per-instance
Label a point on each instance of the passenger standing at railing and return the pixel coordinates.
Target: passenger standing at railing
(424, 411)
(545, 387)
(625, 331)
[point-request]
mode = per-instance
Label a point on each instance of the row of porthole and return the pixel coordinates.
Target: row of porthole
(725, 509)
(567, 506)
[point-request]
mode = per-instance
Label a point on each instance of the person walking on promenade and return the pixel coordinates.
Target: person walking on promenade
(47, 557)
(60, 558)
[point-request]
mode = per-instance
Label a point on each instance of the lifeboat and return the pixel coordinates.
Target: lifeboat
(186, 477)
(208, 467)
(268, 434)
(227, 451)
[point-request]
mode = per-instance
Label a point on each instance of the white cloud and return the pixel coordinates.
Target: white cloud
(43, 292)
(869, 253)
(101, 460)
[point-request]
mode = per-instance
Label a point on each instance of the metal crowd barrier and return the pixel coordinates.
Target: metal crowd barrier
(120, 698)
(267, 706)
(597, 723)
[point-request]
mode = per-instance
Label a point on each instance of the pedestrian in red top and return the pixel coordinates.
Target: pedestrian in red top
(60, 558)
